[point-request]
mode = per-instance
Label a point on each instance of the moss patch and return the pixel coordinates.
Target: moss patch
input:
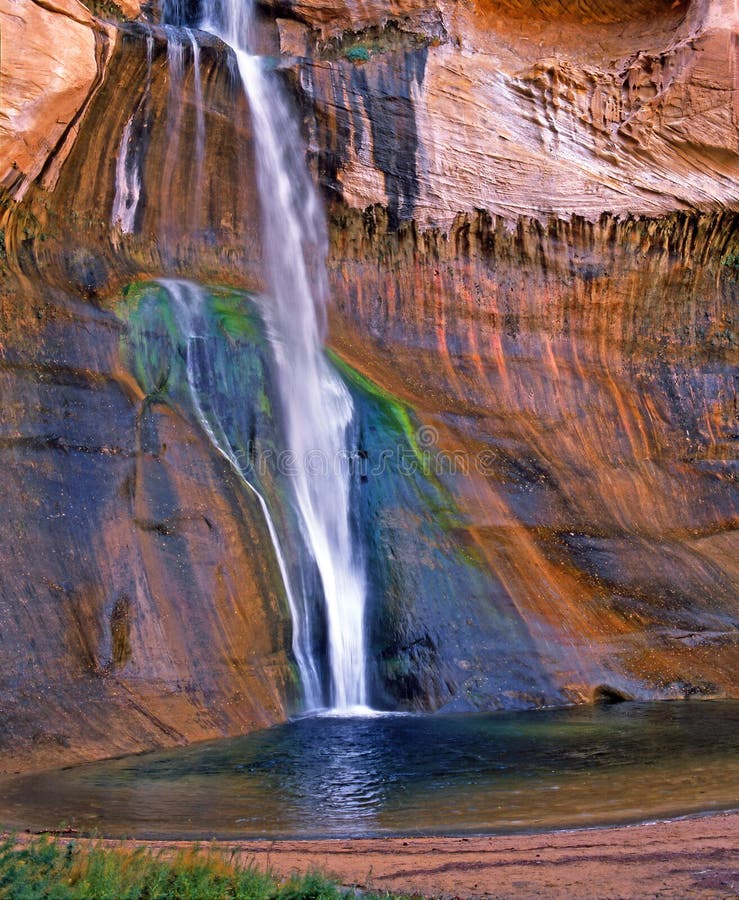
(235, 314)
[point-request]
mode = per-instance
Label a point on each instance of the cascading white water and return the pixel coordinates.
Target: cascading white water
(127, 185)
(317, 406)
(189, 301)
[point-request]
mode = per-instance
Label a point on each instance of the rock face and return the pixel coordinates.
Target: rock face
(137, 608)
(52, 61)
(575, 384)
(534, 256)
(522, 109)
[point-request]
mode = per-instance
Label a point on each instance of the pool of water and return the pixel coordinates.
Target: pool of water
(405, 775)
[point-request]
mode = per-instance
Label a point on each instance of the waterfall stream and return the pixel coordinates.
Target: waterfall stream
(316, 405)
(128, 185)
(189, 304)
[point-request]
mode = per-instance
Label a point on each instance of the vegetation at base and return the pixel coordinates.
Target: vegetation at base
(47, 869)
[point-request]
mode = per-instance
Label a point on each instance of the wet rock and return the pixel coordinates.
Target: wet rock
(605, 693)
(529, 108)
(124, 637)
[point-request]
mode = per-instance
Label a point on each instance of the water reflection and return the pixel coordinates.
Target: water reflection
(408, 775)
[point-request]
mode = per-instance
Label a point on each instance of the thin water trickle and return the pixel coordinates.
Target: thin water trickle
(128, 164)
(189, 302)
(168, 205)
(197, 199)
(317, 407)
(127, 184)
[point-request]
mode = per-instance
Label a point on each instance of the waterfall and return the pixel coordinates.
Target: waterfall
(316, 405)
(127, 184)
(189, 304)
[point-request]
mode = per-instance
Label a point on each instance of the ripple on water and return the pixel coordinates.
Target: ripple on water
(349, 776)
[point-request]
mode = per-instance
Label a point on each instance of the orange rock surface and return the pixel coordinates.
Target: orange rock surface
(49, 68)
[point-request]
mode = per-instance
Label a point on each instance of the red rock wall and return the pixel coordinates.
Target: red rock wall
(582, 365)
(584, 374)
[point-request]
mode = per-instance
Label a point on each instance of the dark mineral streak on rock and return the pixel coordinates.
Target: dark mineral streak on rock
(386, 91)
(370, 111)
(120, 633)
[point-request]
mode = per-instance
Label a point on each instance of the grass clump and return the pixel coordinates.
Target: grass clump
(357, 54)
(46, 869)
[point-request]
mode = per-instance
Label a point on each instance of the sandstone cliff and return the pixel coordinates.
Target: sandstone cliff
(535, 109)
(534, 253)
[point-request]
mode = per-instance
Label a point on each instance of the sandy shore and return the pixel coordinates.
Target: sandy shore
(693, 857)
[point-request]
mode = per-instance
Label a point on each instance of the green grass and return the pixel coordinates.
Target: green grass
(105, 9)
(47, 869)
